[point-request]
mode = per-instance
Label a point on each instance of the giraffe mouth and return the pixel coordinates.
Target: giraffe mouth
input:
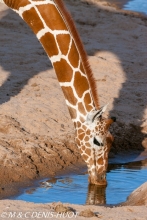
(99, 180)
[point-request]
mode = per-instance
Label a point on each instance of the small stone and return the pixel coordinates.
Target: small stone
(87, 213)
(60, 209)
(34, 85)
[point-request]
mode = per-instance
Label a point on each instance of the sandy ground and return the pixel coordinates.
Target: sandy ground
(36, 132)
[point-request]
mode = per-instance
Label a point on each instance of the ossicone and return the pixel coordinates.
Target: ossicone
(96, 114)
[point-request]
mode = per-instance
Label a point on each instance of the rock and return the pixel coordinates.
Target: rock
(87, 213)
(138, 197)
(60, 208)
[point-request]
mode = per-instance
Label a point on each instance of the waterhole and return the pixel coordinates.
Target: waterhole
(122, 180)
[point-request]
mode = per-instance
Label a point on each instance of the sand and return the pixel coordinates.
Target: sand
(36, 132)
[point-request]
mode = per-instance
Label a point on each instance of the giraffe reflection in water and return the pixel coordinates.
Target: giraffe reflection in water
(96, 195)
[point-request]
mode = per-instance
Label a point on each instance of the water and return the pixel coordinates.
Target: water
(122, 180)
(132, 5)
(136, 5)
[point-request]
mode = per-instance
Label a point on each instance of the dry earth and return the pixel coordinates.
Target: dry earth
(36, 132)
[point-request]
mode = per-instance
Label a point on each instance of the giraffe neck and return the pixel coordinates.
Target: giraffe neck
(54, 28)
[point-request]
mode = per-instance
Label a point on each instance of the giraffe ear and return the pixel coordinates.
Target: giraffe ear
(96, 114)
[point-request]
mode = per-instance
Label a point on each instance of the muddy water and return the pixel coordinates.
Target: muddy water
(122, 180)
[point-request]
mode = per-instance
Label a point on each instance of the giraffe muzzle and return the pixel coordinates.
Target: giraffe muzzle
(99, 180)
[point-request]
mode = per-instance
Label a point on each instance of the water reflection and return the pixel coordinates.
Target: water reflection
(137, 165)
(96, 195)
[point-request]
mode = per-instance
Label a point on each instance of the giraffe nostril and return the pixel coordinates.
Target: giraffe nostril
(113, 118)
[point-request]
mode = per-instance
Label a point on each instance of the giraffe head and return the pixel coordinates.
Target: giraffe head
(95, 140)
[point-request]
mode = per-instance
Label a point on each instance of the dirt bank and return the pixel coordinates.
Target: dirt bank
(26, 156)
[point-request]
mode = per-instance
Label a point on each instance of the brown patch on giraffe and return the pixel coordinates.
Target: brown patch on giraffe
(80, 84)
(109, 140)
(80, 131)
(88, 151)
(83, 148)
(50, 11)
(86, 138)
(85, 157)
(97, 128)
(108, 123)
(81, 136)
(100, 170)
(84, 127)
(72, 112)
(16, 4)
(100, 161)
(88, 132)
(87, 101)
(91, 162)
(64, 71)
(49, 44)
(63, 42)
(77, 141)
(81, 108)
(73, 55)
(87, 145)
(102, 133)
(33, 20)
(69, 95)
(78, 124)
(105, 156)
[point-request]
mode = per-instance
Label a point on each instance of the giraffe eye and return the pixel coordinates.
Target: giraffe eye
(96, 142)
